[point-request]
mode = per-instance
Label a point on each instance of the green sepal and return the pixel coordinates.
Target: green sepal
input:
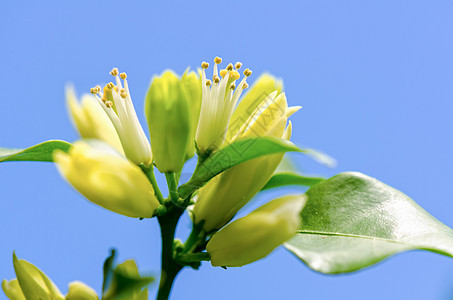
(39, 152)
(352, 221)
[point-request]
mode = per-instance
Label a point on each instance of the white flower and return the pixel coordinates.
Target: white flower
(117, 104)
(219, 98)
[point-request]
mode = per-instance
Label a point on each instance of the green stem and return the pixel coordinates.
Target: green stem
(172, 187)
(194, 257)
(193, 240)
(170, 268)
(150, 174)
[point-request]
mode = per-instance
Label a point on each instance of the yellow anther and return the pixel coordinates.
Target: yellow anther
(123, 95)
(122, 91)
(247, 72)
(238, 65)
(245, 85)
(204, 65)
(217, 60)
(229, 67)
(223, 72)
(216, 79)
(109, 104)
(94, 90)
(232, 86)
(234, 75)
(123, 75)
(114, 72)
(110, 85)
(208, 82)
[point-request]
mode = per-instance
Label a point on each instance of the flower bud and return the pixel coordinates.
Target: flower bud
(31, 283)
(192, 85)
(222, 197)
(80, 291)
(108, 179)
(168, 115)
(90, 120)
(261, 88)
(256, 235)
(12, 290)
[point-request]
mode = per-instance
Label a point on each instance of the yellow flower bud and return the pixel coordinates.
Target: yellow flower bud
(12, 290)
(222, 197)
(256, 235)
(108, 179)
(192, 85)
(31, 283)
(261, 88)
(168, 115)
(90, 119)
(80, 291)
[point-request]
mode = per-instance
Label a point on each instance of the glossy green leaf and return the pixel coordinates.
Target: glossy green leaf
(284, 179)
(234, 154)
(39, 152)
(352, 221)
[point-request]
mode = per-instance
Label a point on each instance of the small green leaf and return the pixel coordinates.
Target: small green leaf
(283, 179)
(127, 283)
(231, 155)
(352, 221)
(108, 270)
(39, 152)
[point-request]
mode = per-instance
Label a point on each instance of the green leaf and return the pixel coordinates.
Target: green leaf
(352, 221)
(107, 270)
(283, 179)
(231, 155)
(127, 283)
(39, 152)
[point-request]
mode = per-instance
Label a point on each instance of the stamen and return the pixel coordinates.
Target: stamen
(123, 75)
(216, 79)
(223, 72)
(208, 82)
(232, 86)
(204, 65)
(110, 85)
(217, 60)
(247, 72)
(94, 90)
(234, 75)
(245, 85)
(229, 67)
(114, 72)
(109, 104)
(122, 91)
(123, 95)
(238, 65)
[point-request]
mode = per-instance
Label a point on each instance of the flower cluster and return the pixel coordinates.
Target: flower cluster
(187, 114)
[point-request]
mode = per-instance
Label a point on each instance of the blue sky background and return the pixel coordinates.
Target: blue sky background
(374, 78)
